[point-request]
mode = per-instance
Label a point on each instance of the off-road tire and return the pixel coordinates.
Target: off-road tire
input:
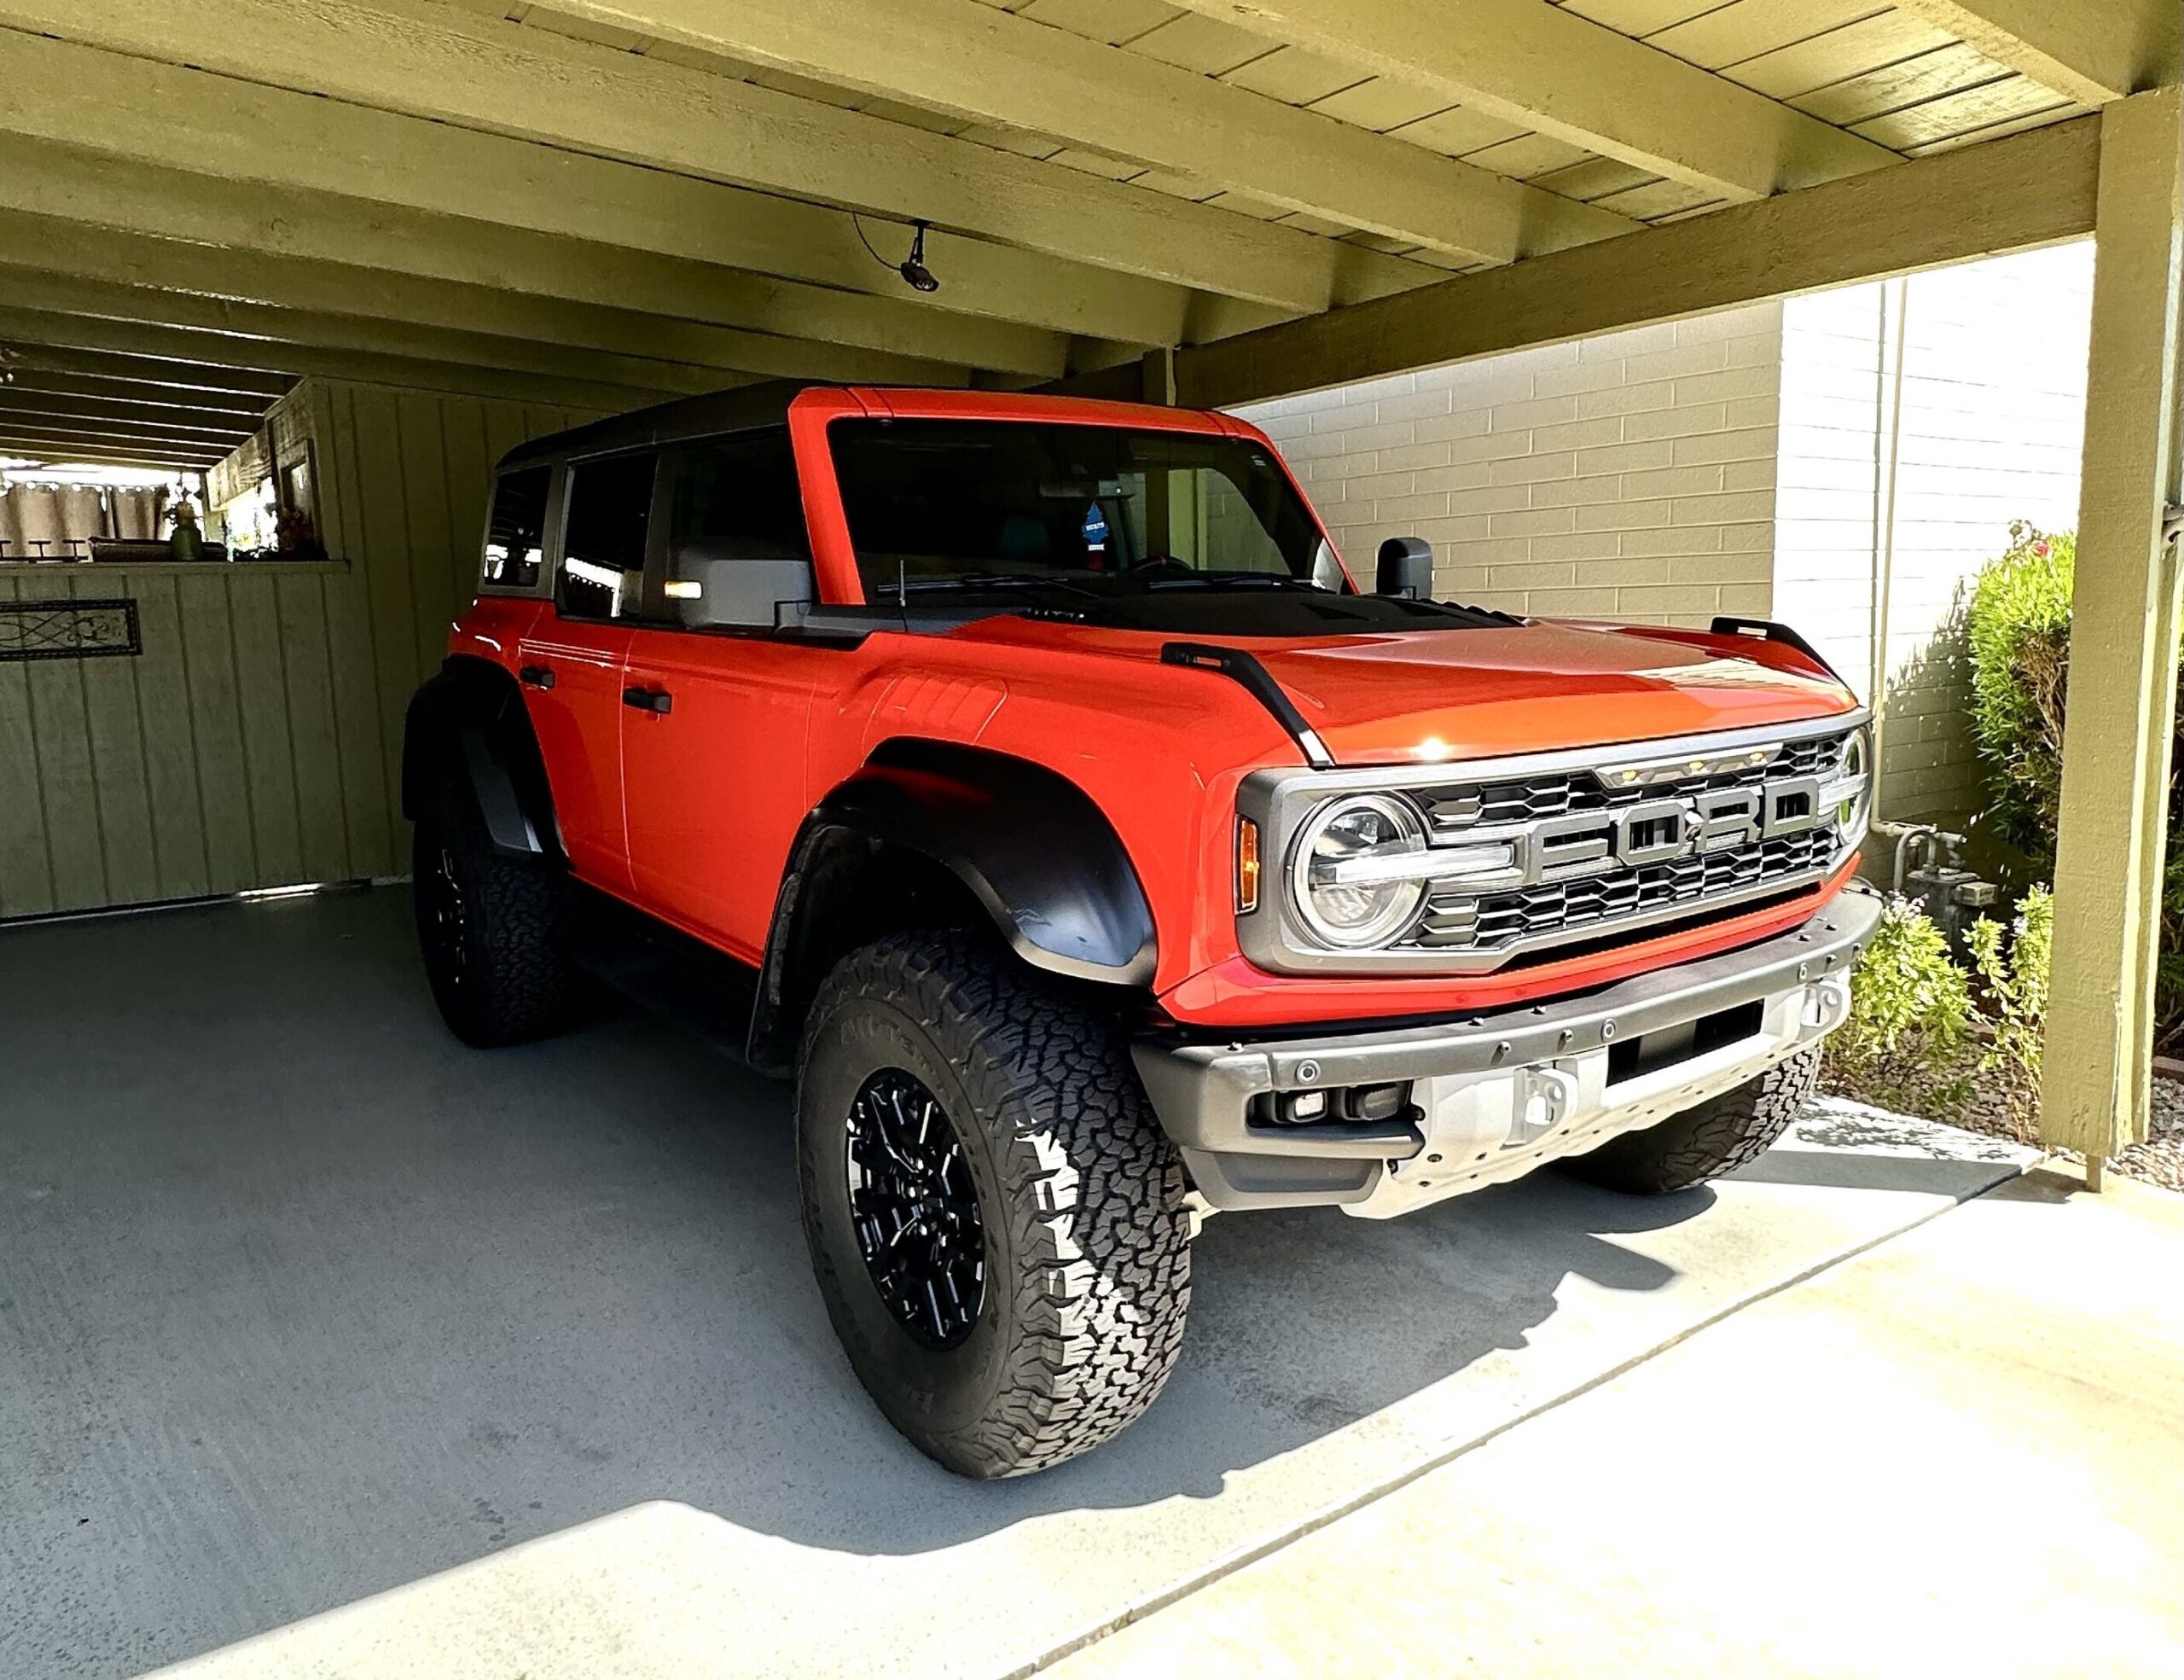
(1719, 1135)
(1081, 1194)
(513, 982)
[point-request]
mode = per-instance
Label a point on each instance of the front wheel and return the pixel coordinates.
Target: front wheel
(488, 927)
(995, 1218)
(1719, 1135)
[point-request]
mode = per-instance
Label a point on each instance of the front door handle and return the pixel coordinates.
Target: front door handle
(536, 676)
(650, 699)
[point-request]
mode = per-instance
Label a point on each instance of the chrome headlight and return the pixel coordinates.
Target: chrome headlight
(1847, 798)
(1355, 877)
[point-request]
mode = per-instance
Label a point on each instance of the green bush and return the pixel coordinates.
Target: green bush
(1904, 1044)
(2014, 972)
(2018, 628)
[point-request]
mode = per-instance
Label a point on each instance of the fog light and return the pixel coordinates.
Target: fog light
(1301, 1106)
(1377, 1102)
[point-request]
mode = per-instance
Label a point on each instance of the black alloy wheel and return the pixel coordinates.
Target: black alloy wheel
(915, 1210)
(443, 921)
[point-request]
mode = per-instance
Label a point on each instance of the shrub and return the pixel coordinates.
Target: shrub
(2019, 627)
(2015, 974)
(1904, 1044)
(2019, 630)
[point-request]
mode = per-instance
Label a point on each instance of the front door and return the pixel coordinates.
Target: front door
(572, 660)
(713, 755)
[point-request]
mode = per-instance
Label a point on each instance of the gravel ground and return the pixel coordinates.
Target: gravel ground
(2158, 1160)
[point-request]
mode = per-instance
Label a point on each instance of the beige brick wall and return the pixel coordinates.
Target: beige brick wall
(1631, 476)
(1983, 427)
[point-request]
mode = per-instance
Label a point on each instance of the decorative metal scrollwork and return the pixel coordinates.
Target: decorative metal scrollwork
(69, 630)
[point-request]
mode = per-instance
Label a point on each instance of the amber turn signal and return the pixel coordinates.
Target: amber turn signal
(1247, 866)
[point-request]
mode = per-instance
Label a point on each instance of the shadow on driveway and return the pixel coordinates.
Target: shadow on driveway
(300, 1301)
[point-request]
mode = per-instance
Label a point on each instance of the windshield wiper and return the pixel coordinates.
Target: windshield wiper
(1238, 580)
(978, 580)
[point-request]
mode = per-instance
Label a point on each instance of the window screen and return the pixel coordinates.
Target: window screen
(737, 498)
(603, 538)
(516, 532)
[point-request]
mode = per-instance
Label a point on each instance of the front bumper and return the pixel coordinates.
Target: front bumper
(1492, 1097)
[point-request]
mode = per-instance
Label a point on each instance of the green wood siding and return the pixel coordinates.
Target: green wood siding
(257, 741)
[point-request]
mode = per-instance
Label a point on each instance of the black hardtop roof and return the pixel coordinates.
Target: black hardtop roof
(717, 411)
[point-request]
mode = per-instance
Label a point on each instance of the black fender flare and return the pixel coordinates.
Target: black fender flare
(1033, 848)
(467, 725)
(1038, 854)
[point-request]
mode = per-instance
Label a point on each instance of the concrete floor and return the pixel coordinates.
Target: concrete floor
(301, 1302)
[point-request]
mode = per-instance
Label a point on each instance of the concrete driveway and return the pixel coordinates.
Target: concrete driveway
(302, 1302)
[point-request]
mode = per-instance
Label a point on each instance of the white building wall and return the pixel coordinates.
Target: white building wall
(1893, 491)
(1630, 476)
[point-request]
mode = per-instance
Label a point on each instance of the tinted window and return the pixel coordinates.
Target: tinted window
(737, 498)
(603, 538)
(515, 531)
(929, 501)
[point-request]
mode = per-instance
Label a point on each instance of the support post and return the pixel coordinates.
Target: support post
(2124, 648)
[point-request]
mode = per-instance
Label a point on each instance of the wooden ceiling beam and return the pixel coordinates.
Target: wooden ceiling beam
(189, 348)
(270, 222)
(55, 367)
(68, 294)
(334, 289)
(490, 79)
(381, 167)
(96, 395)
(1557, 74)
(2092, 50)
(2028, 191)
(59, 410)
(975, 62)
(39, 451)
(61, 438)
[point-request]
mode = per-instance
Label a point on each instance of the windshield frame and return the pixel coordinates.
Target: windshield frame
(812, 414)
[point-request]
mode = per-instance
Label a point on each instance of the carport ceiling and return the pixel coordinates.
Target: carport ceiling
(605, 202)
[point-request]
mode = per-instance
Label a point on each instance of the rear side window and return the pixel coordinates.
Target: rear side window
(603, 538)
(737, 498)
(515, 530)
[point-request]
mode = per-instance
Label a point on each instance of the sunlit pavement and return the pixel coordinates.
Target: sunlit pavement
(381, 1356)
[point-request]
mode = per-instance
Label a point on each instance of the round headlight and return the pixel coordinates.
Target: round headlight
(1857, 778)
(1347, 879)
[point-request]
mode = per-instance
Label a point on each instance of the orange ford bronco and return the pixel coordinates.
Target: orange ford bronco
(1032, 780)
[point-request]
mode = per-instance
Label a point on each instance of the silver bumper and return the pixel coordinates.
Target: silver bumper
(1492, 1097)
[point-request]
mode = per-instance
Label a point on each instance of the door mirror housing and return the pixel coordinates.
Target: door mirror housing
(737, 586)
(1406, 568)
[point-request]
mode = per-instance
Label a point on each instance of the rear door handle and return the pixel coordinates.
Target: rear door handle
(650, 699)
(536, 676)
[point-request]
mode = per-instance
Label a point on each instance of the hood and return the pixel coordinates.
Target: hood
(1427, 697)
(1529, 687)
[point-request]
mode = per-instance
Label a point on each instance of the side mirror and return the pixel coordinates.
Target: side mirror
(725, 586)
(1406, 568)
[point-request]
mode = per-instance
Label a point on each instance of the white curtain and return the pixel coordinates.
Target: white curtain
(64, 518)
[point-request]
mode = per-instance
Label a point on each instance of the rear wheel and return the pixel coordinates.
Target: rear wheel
(1719, 1135)
(488, 927)
(995, 1218)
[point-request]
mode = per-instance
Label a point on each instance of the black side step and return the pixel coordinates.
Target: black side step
(664, 969)
(1242, 667)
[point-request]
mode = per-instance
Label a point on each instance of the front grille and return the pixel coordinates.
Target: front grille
(1557, 901)
(1494, 921)
(1533, 798)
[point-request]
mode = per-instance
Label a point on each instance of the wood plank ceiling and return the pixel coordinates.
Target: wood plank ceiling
(605, 202)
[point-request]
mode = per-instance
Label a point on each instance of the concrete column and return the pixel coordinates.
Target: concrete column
(2123, 647)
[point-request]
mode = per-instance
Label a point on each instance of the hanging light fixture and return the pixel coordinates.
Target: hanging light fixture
(912, 268)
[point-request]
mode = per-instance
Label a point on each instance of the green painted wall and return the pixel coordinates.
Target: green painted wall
(257, 741)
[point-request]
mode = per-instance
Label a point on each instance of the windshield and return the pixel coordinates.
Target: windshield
(940, 504)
